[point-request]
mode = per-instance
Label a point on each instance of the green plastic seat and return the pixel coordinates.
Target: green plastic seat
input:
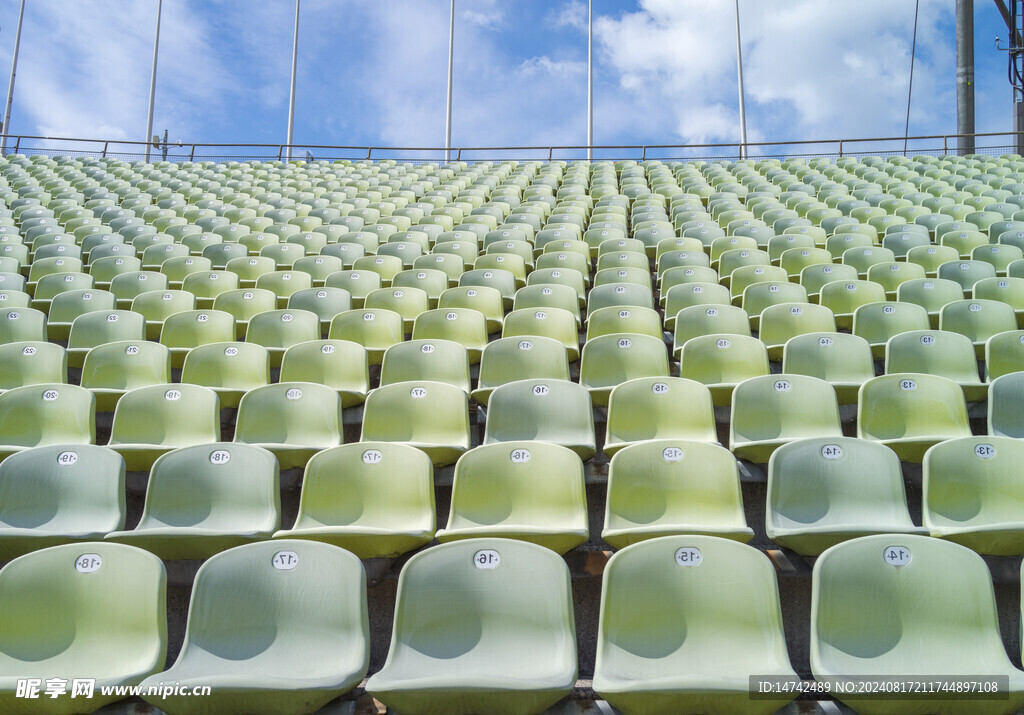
(550, 296)
(894, 605)
(260, 626)
(483, 299)
(22, 324)
(708, 319)
(658, 408)
(339, 364)
(771, 410)
(760, 296)
(32, 363)
(46, 414)
(931, 294)
(673, 486)
(554, 411)
(375, 499)
(204, 499)
(433, 360)
(323, 302)
(230, 369)
(937, 352)
(978, 319)
(128, 286)
(517, 358)
(465, 326)
(669, 639)
(721, 362)
(972, 494)
(554, 323)
(278, 330)
(283, 283)
(619, 295)
(527, 490)
(67, 306)
(844, 297)
(481, 625)
(826, 490)
(185, 330)
(376, 329)
(247, 269)
(155, 306)
(1005, 401)
(610, 360)
(842, 360)
(431, 416)
(814, 278)
(966, 273)
(294, 420)
(1004, 353)
(909, 412)
(878, 322)
(111, 369)
(98, 609)
(152, 420)
(930, 257)
(613, 319)
(59, 494)
(783, 321)
(1006, 290)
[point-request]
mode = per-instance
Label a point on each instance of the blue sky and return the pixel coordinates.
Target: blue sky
(373, 72)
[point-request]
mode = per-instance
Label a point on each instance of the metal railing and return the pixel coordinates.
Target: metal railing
(205, 151)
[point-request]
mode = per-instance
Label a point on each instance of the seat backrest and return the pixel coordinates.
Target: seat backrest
(166, 414)
(290, 412)
(45, 414)
(32, 362)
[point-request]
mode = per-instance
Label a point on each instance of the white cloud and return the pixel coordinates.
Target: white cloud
(571, 14)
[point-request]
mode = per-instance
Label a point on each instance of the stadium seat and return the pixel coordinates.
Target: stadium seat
(543, 410)
(1004, 353)
(189, 329)
(67, 306)
(610, 360)
(910, 621)
(668, 637)
(978, 319)
(909, 412)
(553, 323)
(260, 626)
(529, 490)
(763, 295)
(518, 358)
(464, 326)
(814, 278)
(128, 286)
(936, 352)
(966, 273)
(972, 494)
(339, 364)
(99, 609)
(878, 322)
(771, 410)
(155, 306)
(844, 297)
(375, 499)
(59, 494)
(284, 283)
(481, 625)
(1006, 406)
(721, 362)
(32, 363)
(278, 330)
(783, 321)
(111, 369)
(931, 294)
(433, 360)
(294, 420)
(203, 499)
(324, 302)
(673, 486)
(22, 324)
(826, 490)
(229, 369)
(376, 329)
(46, 414)
(661, 408)
(431, 416)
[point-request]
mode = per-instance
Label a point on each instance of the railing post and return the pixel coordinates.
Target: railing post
(551, 149)
(643, 154)
(458, 154)
(840, 148)
(192, 153)
(945, 147)
(17, 145)
(105, 145)
(369, 151)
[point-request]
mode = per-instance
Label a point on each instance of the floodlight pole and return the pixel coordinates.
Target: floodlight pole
(152, 78)
(451, 59)
(10, 85)
(739, 66)
(291, 91)
(590, 81)
(965, 75)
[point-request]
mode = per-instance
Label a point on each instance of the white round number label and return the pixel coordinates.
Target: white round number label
(520, 456)
(659, 388)
(132, 350)
(285, 560)
(372, 456)
(50, 395)
(625, 343)
(428, 348)
(984, 451)
(896, 555)
(783, 386)
(418, 392)
(66, 459)
(825, 342)
(525, 345)
(172, 395)
(927, 339)
(220, 456)
(88, 563)
(540, 315)
(487, 559)
(722, 343)
(908, 385)
(369, 316)
(831, 451)
(888, 310)
(451, 316)
(688, 556)
(230, 352)
(294, 394)
(672, 454)
(541, 389)
(287, 317)
(974, 307)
